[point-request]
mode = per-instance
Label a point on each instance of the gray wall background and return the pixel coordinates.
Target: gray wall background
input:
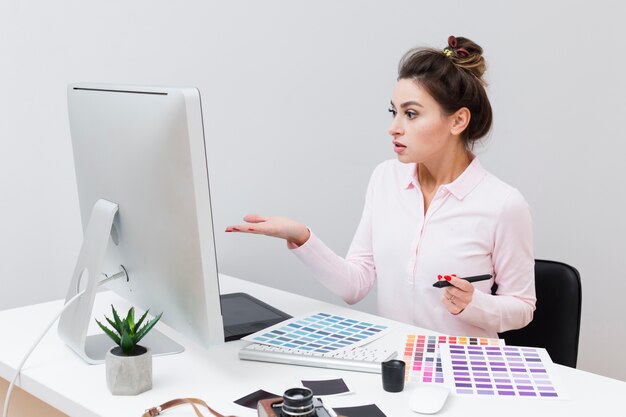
(295, 97)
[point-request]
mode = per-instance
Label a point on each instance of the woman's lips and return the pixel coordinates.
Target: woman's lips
(398, 147)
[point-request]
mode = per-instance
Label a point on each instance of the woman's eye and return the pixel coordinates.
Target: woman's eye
(411, 114)
(392, 111)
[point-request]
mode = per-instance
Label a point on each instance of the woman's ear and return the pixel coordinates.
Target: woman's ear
(460, 120)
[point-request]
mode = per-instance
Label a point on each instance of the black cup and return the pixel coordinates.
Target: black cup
(393, 375)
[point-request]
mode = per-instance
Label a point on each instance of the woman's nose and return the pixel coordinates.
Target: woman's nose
(395, 129)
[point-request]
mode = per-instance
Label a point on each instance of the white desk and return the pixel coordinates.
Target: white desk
(62, 379)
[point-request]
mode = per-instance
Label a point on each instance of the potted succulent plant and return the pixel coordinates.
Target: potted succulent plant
(128, 365)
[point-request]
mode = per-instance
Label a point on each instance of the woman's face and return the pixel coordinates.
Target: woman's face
(420, 130)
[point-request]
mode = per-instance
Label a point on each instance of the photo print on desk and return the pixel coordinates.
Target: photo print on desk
(319, 333)
(327, 386)
(251, 400)
(370, 410)
(506, 371)
(422, 357)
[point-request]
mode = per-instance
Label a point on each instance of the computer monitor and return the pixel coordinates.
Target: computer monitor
(143, 187)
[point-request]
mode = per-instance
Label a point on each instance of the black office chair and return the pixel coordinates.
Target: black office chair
(556, 323)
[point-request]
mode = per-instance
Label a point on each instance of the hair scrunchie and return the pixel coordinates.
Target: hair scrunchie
(452, 50)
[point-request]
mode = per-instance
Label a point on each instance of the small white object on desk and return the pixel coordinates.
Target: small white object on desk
(428, 398)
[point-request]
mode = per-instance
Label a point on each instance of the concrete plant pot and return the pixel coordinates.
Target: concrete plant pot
(129, 375)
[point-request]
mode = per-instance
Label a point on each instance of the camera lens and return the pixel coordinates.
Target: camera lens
(298, 402)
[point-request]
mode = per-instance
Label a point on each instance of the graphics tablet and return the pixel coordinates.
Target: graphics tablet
(244, 315)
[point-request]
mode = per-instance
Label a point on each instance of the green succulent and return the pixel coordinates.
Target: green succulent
(126, 332)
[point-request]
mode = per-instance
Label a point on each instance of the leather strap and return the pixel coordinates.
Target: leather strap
(155, 411)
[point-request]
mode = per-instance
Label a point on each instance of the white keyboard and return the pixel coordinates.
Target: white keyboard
(362, 358)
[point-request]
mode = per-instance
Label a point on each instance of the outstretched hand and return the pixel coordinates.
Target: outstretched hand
(275, 226)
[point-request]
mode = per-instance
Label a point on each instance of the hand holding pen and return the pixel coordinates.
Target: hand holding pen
(444, 282)
(458, 292)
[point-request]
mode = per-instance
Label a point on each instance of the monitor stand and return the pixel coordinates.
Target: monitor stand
(97, 345)
(75, 320)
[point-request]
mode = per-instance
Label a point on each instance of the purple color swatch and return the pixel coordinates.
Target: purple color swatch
(510, 371)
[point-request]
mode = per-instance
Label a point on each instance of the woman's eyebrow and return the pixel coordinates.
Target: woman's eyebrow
(410, 103)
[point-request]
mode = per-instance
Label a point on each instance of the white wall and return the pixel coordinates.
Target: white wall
(295, 97)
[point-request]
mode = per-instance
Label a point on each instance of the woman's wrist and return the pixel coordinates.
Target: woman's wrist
(301, 238)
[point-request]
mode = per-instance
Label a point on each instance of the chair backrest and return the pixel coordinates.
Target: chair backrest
(556, 322)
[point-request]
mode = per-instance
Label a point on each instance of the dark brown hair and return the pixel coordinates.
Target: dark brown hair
(453, 77)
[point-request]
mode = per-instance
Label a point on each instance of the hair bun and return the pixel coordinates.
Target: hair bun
(467, 55)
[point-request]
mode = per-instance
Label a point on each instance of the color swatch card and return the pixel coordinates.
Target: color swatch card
(422, 358)
(505, 371)
(319, 333)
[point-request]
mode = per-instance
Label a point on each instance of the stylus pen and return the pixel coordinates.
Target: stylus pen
(475, 278)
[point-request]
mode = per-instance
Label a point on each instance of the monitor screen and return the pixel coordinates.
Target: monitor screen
(143, 149)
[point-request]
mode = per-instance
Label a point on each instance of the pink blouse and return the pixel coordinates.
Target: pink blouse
(475, 225)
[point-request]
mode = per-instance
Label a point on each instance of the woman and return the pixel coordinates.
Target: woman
(434, 213)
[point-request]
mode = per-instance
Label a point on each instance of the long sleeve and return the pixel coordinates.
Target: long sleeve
(352, 277)
(513, 263)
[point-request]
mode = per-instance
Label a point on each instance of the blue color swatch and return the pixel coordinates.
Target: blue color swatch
(319, 333)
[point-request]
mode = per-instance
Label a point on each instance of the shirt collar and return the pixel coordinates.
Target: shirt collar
(460, 187)
(468, 180)
(409, 175)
